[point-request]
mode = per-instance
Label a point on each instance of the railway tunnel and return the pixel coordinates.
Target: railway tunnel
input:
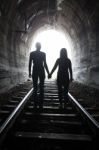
(20, 23)
(55, 24)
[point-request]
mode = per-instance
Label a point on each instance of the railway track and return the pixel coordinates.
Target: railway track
(25, 127)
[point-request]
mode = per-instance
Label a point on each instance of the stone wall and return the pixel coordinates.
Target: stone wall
(14, 53)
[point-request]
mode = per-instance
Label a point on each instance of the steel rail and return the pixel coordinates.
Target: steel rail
(9, 121)
(12, 117)
(94, 125)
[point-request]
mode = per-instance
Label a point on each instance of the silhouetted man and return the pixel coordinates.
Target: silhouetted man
(39, 63)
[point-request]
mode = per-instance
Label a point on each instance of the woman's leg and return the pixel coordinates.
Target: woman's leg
(41, 86)
(59, 91)
(66, 88)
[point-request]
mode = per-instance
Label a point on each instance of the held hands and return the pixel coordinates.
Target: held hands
(71, 79)
(30, 75)
(49, 75)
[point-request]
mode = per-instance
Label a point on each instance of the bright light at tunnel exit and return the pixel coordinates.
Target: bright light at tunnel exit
(51, 43)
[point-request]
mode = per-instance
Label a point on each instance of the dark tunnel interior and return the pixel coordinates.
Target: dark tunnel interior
(22, 20)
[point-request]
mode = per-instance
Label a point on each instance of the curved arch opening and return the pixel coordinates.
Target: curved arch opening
(51, 43)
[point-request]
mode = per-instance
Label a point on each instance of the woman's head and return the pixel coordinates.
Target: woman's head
(63, 53)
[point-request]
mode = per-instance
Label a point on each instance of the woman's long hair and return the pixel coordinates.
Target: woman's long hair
(63, 53)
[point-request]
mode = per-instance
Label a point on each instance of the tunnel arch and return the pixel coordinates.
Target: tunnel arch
(56, 39)
(20, 19)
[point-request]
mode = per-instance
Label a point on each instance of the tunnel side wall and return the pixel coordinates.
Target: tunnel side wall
(82, 22)
(13, 57)
(86, 64)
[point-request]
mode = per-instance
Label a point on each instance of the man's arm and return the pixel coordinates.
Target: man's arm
(30, 63)
(70, 70)
(45, 65)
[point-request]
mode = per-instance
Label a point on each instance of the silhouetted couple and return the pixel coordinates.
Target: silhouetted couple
(64, 75)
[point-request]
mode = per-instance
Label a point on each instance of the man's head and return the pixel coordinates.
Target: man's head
(38, 46)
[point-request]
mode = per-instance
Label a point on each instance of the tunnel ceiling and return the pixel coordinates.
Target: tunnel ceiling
(78, 19)
(35, 12)
(30, 13)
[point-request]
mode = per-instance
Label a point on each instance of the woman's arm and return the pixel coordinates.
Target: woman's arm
(70, 71)
(55, 66)
(30, 63)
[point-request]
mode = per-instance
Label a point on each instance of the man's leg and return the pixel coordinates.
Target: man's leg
(41, 91)
(35, 83)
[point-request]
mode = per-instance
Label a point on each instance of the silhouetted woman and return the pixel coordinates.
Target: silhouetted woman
(64, 75)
